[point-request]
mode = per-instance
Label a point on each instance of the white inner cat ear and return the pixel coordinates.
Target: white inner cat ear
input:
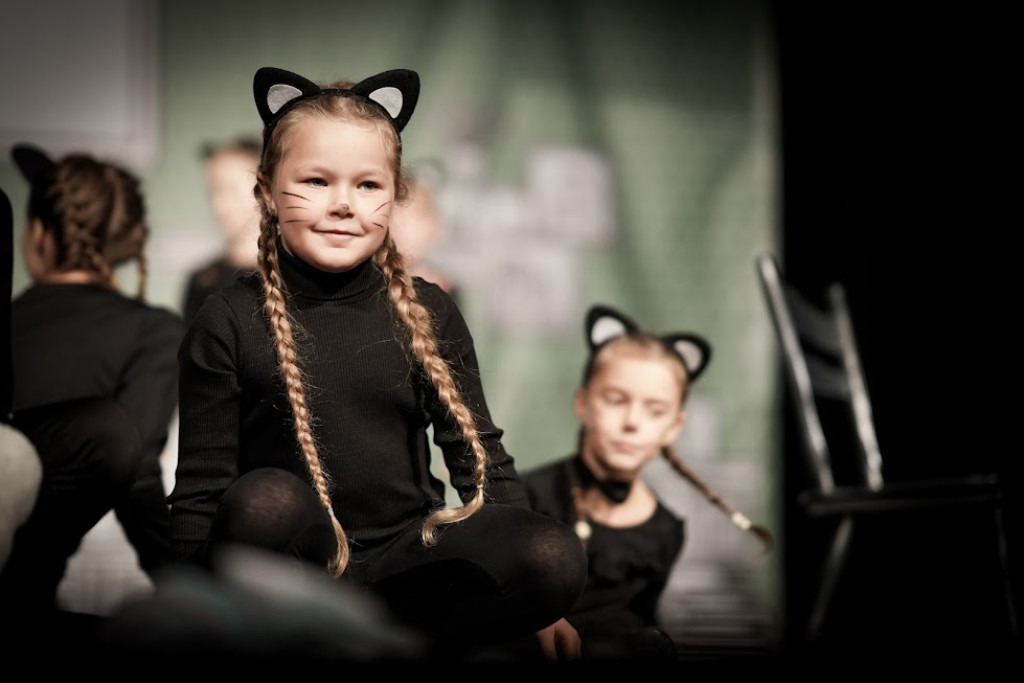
(606, 328)
(279, 95)
(390, 98)
(691, 353)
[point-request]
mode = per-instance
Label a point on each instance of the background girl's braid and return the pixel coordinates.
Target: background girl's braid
(424, 345)
(78, 208)
(126, 233)
(96, 261)
(143, 266)
(737, 517)
(288, 359)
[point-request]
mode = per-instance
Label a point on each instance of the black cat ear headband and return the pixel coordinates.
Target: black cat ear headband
(604, 324)
(276, 91)
(33, 162)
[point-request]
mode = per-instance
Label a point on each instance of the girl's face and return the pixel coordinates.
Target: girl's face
(332, 192)
(230, 176)
(630, 410)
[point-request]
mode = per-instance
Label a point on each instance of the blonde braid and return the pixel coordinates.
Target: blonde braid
(288, 359)
(424, 346)
(735, 516)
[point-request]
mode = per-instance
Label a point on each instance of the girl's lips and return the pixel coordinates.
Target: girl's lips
(337, 233)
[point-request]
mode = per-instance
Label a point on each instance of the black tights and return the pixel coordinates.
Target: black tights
(493, 579)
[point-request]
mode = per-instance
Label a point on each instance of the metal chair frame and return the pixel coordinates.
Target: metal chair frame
(822, 361)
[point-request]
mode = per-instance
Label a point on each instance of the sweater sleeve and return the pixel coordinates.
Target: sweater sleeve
(148, 386)
(209, 400)
(456, 345)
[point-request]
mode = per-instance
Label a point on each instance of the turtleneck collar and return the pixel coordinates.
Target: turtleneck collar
(614, 490)
(310, 282)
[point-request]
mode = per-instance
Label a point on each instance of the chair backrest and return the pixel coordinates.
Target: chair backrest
(823, 368)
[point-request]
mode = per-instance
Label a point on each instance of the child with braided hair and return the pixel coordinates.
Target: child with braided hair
(308, 392)
(94, 374)
(630, 407)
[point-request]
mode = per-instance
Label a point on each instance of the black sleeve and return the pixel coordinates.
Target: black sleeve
(209, 417)
(149, 383)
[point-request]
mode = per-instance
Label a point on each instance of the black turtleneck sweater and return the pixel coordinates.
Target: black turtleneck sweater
(370, 403)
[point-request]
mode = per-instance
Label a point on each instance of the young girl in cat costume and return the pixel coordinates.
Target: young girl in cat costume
(308, 389)
(630, 408)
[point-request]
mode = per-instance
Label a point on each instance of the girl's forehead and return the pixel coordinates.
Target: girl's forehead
(322, 142)
(642, 372)
(317, 131)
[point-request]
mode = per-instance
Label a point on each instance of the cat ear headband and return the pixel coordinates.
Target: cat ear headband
(33, 162)
(604, 324)
(277, 91)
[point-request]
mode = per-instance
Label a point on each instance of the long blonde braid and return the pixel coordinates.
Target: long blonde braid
(287, 356)
(417, 319)
(736, 517)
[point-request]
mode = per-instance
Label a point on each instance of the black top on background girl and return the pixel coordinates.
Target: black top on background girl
(307, 393)
(94, 373)
(630, 408)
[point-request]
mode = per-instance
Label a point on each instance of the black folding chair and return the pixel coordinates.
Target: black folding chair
(845, 484)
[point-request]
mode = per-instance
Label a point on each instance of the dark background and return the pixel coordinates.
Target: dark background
(897, 161)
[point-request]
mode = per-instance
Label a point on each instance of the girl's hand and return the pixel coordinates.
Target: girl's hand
(559, 642)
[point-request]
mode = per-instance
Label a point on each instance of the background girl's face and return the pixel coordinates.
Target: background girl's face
(630, 409)
(230, 178)
(332, 192)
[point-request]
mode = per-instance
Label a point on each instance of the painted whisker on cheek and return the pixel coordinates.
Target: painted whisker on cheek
(292, 194)
(383, 208)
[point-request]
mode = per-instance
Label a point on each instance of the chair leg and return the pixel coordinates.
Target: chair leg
(831, 571)
(1011, 610)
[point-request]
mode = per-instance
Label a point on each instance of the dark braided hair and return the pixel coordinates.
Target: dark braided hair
(95, 212)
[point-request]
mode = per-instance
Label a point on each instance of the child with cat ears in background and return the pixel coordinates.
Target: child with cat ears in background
(95, 380)
(630, 408)
(307, 392)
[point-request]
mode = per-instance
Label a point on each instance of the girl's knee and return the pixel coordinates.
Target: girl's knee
(557, 560)
(273, 509)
